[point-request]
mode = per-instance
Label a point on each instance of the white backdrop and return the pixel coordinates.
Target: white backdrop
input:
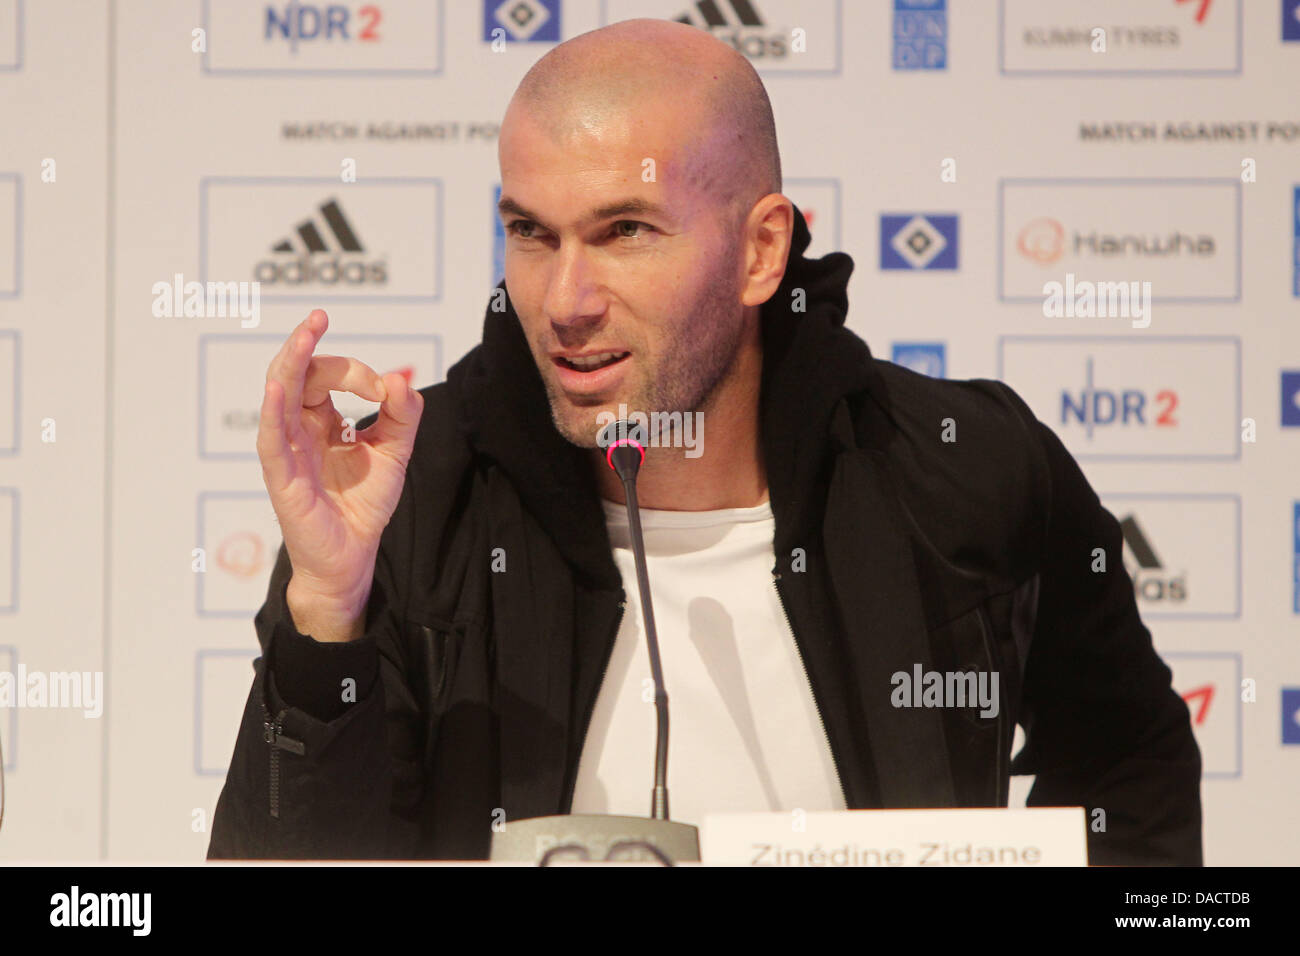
(962, 153)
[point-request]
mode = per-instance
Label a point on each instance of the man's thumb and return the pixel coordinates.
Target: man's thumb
(399, 413)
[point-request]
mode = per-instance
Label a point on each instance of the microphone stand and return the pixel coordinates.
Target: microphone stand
(541, 838)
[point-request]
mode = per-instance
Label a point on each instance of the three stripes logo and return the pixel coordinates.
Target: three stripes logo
(739, 23)
(711, 14)
(311, 237)
(1138, 545)
(1152, 581)
(327, 252)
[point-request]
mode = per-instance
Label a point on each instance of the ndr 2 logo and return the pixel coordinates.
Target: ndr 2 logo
(1091, 406)
(297, 22)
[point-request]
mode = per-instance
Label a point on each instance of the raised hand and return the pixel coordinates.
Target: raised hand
(333, 497)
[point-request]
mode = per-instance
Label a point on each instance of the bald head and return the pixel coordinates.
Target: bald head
(725, 135)
(644, 224)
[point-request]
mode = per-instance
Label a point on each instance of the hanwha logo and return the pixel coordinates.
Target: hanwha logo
(241, 554)
(1042, 240)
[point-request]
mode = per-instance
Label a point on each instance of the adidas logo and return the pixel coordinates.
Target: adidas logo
(711, 14)
(1138, 544)
(1151, 582)
(739, 23)
(311, 237)
(313, 260)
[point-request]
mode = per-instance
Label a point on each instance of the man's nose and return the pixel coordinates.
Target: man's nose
(573, 295)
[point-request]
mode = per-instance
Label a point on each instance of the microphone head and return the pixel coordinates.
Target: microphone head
(624, 443)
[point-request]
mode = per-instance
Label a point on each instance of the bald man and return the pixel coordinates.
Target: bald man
(863, 578)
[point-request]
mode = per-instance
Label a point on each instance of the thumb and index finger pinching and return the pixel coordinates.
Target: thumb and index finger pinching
(337, 373)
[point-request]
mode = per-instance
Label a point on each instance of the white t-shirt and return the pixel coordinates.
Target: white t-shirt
(744, 732)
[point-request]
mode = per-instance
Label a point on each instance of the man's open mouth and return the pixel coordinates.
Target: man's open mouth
(590, 363)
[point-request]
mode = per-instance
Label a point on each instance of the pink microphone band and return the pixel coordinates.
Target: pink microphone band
(622, 441)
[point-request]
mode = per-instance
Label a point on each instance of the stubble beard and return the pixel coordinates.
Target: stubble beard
(689, 368)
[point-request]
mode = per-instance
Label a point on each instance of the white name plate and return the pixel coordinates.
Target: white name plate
(1025, 836)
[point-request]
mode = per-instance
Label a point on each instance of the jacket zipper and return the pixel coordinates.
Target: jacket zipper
(586, 721)
(839, 776)
(1003, 780)
(271, 733)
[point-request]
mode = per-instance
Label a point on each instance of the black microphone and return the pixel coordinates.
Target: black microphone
(624, 443)
(542, 839)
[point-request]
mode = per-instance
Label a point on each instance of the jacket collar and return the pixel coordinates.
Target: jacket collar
(810, 362)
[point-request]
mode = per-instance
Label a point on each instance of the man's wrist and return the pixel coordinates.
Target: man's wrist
(327, 618)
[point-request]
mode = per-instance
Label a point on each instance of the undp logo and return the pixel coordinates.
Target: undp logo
(920, 35)
(524, 21)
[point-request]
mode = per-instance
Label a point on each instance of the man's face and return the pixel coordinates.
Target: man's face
(599, 260)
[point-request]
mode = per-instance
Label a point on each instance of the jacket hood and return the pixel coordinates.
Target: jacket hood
(810, 362)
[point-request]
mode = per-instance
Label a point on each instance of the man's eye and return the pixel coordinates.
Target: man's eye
(522, 228)
(628, 228)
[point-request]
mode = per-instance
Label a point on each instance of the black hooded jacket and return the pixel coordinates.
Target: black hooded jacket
(917, 522)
